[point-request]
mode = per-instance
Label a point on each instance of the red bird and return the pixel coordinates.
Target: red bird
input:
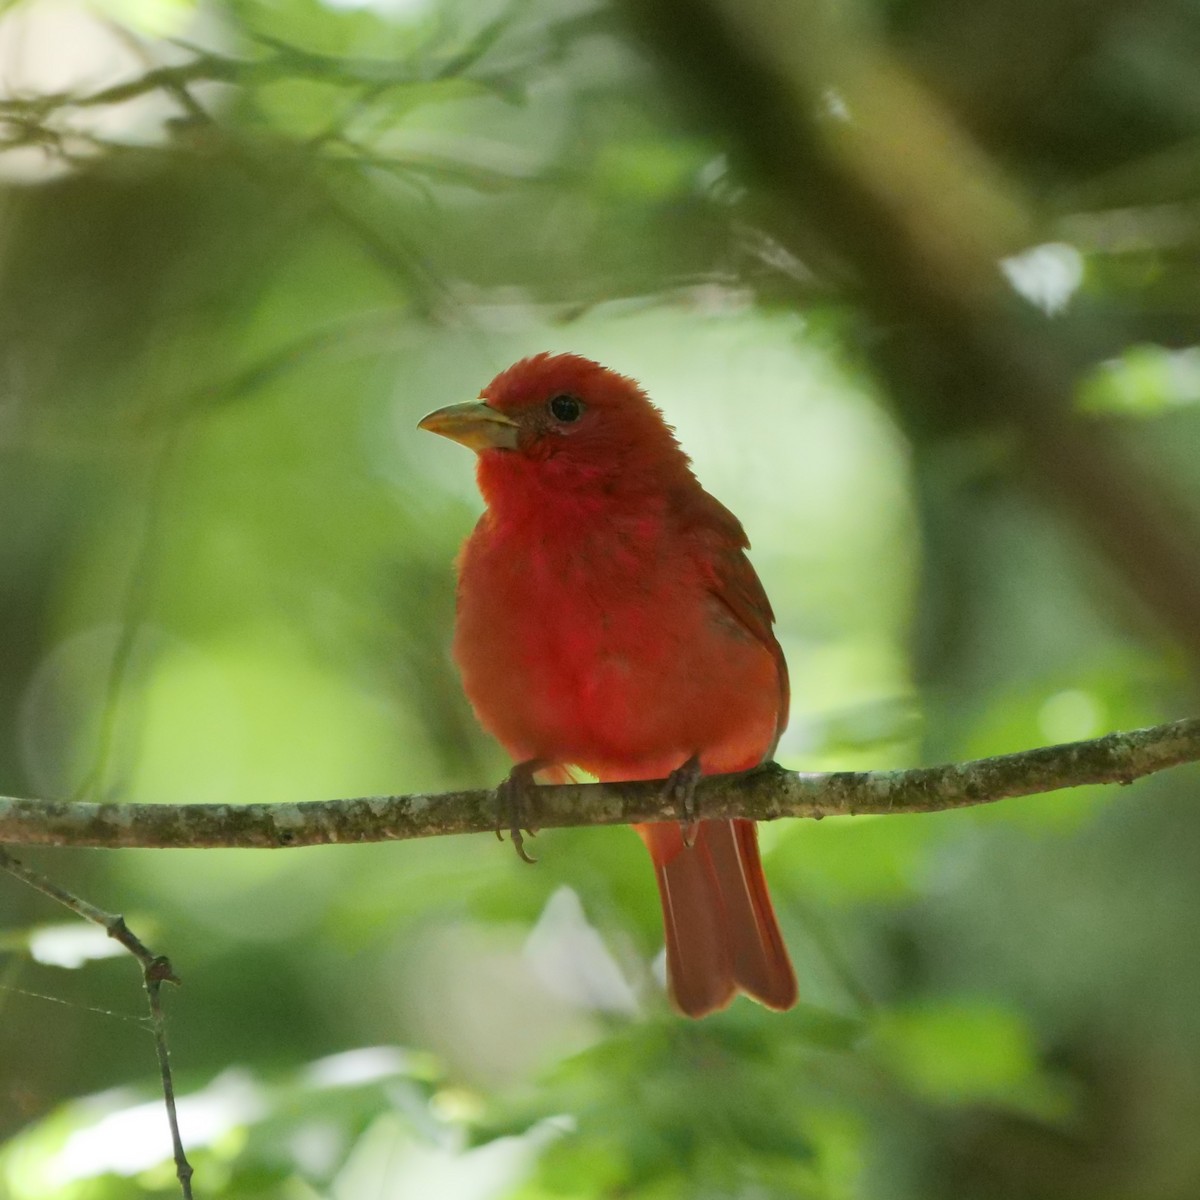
(609, 619)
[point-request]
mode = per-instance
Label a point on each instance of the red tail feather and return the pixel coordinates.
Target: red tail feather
(721, 932)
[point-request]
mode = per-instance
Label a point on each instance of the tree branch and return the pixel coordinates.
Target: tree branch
(764, 794)
(156, 970)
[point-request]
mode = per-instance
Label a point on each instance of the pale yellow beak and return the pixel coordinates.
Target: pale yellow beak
(476, 424)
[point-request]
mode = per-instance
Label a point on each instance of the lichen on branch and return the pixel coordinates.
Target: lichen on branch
(765, 794)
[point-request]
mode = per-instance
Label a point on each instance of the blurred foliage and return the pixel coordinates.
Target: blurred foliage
(244, 247)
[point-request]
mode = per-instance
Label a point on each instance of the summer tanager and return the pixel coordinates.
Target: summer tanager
(609, 619)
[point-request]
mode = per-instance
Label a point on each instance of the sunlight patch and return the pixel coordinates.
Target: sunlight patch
(1047, 276)
(130, 1140)
(71, 944)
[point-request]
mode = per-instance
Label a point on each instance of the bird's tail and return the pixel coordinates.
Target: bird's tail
(721, 932)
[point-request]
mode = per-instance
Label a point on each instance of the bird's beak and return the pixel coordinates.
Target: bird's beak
(477, 425)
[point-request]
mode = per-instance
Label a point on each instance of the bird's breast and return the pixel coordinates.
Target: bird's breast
(569, 618)
(607, 651)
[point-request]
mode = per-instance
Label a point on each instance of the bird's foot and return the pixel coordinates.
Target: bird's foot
(680, 790)
(513, 798)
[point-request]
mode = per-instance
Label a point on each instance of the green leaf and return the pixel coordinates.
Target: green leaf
(966, 1052)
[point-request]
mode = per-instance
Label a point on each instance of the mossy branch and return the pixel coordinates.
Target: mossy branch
(764, 794)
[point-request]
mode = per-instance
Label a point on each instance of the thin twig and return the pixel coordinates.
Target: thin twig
(765, 794)
(156, 970)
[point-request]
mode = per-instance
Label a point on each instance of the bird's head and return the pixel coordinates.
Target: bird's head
(565, 422)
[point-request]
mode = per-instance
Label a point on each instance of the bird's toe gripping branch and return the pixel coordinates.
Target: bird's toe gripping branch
(680, 790)
(514, 801)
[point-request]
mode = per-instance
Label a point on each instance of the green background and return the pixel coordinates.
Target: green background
(917, 282)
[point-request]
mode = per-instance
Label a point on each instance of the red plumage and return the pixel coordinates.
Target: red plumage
(608, 618)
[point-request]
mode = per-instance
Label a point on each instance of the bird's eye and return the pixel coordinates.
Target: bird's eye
(565, 408)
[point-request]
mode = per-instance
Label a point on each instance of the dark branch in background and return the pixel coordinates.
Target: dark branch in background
(156, 970)
(764, 794)
(877, 185)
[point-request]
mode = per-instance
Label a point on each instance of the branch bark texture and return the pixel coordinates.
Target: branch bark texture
(764, 794)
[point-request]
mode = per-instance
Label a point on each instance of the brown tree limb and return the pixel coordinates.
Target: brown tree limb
(764, 794)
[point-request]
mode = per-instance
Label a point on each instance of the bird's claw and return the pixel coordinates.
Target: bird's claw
(513, 797)
(680, 790)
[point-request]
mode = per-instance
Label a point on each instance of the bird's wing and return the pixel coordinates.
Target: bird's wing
(720, 546)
